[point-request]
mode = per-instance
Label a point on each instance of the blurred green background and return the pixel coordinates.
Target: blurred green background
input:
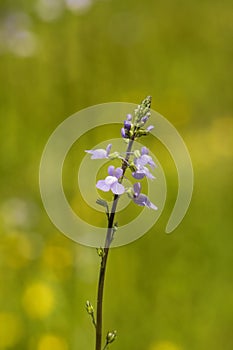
(163, 292)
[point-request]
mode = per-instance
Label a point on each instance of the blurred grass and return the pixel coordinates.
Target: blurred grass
(173, 292)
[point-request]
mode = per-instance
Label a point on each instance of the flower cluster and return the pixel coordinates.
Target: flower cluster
(141, 164)
(141, 159)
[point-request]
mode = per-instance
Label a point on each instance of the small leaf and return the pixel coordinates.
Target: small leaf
(103, 203)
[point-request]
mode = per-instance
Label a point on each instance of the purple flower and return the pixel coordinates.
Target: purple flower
(141, 172)
(144, 119)
(140, 163)
(144, 159)
(111, 181)
(123, 133)
(100, 153)
(150, 127)
(141, 199)
(127, 125)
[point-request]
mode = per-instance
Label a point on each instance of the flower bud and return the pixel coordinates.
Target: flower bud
(89, 308)
(100, 252)
(127, 125)
(111, 336)
(137, 153)
(150, 127)
(123, 134)
(144, 119)
(142, 132)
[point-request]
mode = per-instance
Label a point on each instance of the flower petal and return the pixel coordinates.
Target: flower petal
(101, 184)
(118, 172)
(117, 188)
(152, 206)
(137, 189)
(109, 180)
(143, 200)
(108, 148)
(144, 119)
(147, 173)
(144, 150)
(97, 153)
(143, 160)
(127, 125)
(111, 170)
(152, 163)
(138, 175)
(123, 134)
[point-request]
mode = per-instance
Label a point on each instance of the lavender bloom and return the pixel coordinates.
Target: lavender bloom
(144, 159)
(141, 172)
(142, 199)
(140, 163)
(127, 125)
(123, 133)
(144, 119)
(111, 181)
(100, 153)
(150, 127)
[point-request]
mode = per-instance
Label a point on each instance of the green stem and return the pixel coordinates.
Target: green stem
(103, 265)
(106, 346)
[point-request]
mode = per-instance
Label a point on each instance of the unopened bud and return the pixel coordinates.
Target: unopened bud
(100, 252)
(127, 125)
(137, 153)
(142, 132)
(147, 102)
(123, 134)
(111, 336)
(89, 308)
(115, 227)
(144, 119)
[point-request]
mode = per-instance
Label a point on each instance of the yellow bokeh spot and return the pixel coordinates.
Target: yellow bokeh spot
(220, 137)
(164, 345)
(212, 143)
(10, 330)
(57, 257)
(38, 300)
(50, 341)
(19, 250)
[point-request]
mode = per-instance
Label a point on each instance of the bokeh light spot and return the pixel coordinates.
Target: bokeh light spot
(164, 345)
(38, 300)
(49, 10)
(78, 5)
(10, 330)
(59, 259)
(50, 341)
